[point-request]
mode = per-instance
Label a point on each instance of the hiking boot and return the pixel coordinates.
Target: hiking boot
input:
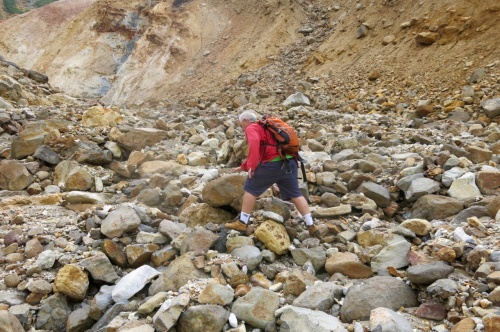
(313, 230)
(237, 225)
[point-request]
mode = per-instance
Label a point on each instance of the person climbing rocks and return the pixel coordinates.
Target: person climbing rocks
(265, 167)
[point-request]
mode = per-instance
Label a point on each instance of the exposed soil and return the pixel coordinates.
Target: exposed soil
(140, 51)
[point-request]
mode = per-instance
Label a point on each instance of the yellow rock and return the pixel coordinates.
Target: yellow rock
(274, 236)
(101, 116)
(491, 322)
(453, 105)
(418, 226)
(72, 281)
(51, 199)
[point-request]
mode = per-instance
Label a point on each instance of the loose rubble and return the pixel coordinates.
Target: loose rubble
(112, 219)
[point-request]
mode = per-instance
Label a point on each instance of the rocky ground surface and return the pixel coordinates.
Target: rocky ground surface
(112, 218)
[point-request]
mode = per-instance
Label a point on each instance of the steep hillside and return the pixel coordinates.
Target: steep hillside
(136, 52)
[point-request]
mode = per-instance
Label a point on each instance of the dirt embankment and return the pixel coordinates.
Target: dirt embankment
(135, 52)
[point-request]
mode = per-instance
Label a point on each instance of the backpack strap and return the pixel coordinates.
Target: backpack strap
(299, 159)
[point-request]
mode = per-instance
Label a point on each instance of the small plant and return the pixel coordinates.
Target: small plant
(10, 7)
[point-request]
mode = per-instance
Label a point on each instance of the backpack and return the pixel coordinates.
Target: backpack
(287, 141)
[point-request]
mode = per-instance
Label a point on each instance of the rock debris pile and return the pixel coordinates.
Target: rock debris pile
(112, 219)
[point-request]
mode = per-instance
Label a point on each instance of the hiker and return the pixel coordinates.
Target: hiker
(265, 167)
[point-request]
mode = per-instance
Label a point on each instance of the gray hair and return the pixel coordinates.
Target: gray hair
(248, 115)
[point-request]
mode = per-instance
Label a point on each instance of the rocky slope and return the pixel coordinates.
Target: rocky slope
(112, 217)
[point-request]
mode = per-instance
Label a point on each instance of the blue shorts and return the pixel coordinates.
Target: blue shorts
(283, 173)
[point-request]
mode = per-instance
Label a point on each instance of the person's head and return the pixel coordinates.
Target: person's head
(246, 118)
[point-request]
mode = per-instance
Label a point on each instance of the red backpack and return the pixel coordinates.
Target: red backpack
(287, 141)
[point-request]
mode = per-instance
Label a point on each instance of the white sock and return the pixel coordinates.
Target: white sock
(308, 220)
(244, 217)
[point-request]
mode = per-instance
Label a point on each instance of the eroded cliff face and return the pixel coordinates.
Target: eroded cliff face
(134, 51)
(137, 52)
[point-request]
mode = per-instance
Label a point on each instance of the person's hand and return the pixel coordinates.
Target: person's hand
(250, 173)
(237, 169)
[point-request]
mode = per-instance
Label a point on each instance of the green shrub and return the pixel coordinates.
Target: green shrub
(10, 7)
(41, 3)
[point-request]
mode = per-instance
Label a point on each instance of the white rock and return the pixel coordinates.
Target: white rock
(133, 282)
(461, 236)
(233, 321)
(452, 174)
(273, 216)
(276, 287)
(464, 188)
(209, 175)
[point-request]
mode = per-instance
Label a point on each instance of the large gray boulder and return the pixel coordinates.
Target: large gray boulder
(203, 318)
(224, 191)
(257, 307)
(320, 296)
(491, 107)
(429, 272)
(120, 221)
(432, 207)
(386, 292)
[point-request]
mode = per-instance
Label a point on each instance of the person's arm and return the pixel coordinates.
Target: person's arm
(253, 159)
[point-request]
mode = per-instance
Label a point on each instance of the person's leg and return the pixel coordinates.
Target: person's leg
(247, 205)
(253, 188)
(301, 205)
(303, 208)
(289, 188)
(262, 179)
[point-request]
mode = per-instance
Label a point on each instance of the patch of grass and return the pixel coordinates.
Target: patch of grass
(41, 3)
(11, 8)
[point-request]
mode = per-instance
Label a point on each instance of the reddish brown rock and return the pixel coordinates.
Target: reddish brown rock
(115, 252)
(423, 111)
(488, 181)
(431, 310)
(479, 155)
(140, 254)
(33, 248)
(14, 236)
(415, 258)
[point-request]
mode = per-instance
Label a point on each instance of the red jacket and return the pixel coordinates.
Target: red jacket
(258, 152)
